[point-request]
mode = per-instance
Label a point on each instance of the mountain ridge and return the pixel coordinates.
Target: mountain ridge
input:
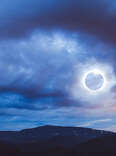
(48, 132)
(57, 140)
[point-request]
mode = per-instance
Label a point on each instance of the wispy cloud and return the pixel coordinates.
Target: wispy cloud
(93, 122)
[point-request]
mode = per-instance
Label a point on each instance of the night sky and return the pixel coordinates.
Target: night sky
(46, 50)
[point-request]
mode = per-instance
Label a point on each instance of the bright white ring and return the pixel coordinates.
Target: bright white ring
(95, 71)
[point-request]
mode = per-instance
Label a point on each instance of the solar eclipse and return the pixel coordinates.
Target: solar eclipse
(94, 80)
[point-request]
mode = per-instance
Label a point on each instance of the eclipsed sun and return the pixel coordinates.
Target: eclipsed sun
(94, 80)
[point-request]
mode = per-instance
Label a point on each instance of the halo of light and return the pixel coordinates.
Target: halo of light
(95, 71)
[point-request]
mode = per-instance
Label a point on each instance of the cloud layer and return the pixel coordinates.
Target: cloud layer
(21, 18)
(44, 49)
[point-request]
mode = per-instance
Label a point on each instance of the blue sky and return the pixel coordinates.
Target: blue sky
(45, 49)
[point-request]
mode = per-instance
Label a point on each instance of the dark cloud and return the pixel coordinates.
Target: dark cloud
(33, 72)
(96, 18)
(35, 101)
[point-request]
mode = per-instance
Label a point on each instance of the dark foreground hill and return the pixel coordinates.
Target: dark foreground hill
(54, 133)
(58, 141)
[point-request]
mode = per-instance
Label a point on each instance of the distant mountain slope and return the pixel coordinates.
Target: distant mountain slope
(103, 146)
(45, 133)
(57, 140)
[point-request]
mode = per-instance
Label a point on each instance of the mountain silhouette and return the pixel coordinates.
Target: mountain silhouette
(57, 140)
